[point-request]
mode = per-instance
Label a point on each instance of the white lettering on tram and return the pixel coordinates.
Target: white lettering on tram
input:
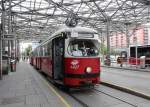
(74, 64)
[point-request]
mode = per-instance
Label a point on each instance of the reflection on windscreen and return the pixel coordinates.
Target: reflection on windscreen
(85, 35)
(83, 48)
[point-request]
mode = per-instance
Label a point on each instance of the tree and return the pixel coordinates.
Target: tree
(28, 50)
(103, 49)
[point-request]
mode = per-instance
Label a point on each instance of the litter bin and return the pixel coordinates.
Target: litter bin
(142, 62)
(121, 60)
(13, 65)
(5, 69)
(107, 60)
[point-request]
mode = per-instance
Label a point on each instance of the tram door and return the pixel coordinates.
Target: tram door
(58, 55)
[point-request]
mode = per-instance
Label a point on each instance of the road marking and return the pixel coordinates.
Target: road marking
(56, 93)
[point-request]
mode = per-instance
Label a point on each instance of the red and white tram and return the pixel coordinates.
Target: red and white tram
(71, 56)
(141, 51)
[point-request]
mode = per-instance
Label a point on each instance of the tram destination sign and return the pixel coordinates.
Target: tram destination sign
(9, 37)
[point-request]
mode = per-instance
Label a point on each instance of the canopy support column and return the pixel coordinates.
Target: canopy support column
(108, 37)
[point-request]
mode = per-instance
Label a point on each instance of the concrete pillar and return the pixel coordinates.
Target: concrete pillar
(1, 54)
(17, 49)
(10, 42)
(127, 34)
(108, 36)
(127, 38)
(1, 36)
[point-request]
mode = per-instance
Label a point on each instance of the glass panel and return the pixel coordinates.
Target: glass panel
(86, 35)
(49, 48)
(83, 48)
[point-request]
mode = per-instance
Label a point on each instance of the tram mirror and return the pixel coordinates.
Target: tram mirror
(96, 51)
(64, 35)
(74, 34)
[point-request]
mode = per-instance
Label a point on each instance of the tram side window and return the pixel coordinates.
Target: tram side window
(36, 52)
(83, 48)
(132, 51)
(40, 53)
(45, 50)
(49, 47)
(147, 52)
(33, 53)
(141, 51)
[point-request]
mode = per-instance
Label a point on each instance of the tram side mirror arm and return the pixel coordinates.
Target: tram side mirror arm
(64, 35)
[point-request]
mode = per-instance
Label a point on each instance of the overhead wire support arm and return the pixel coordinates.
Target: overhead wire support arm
(102, 12)
(58, 5)
(15, 4)
(119, 7)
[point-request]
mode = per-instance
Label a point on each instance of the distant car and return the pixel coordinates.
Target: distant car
(107, 60)
(113, 59)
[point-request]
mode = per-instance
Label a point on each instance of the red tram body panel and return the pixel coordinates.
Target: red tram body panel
(70, 58)
(38, 66)
(34, 61)
(46, 65)
(133, 61)
(75, 71)
(78, 65)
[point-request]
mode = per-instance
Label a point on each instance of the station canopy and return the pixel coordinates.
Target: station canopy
(37, 19)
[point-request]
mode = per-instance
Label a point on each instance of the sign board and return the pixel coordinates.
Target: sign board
(9, 37)
(74, 33)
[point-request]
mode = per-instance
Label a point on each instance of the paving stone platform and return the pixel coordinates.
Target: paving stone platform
(25, 88)
(131, 79)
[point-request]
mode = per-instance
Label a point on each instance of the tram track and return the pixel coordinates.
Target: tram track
(126, 90)
(83, 102)
(67, 92)
(78, 100)
(101, 92)
(115, 98)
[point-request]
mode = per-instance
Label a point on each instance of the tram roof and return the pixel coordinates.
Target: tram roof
(67, 29)
(76, 29)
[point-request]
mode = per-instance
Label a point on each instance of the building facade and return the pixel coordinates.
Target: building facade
(140, 36)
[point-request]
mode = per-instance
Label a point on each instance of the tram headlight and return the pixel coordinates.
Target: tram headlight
(88, 69)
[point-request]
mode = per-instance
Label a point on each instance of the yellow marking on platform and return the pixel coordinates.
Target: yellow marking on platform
(57, 94)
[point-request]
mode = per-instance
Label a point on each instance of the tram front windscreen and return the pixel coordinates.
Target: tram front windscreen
(83, 47)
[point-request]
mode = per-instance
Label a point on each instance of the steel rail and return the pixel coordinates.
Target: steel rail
(115, 97)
